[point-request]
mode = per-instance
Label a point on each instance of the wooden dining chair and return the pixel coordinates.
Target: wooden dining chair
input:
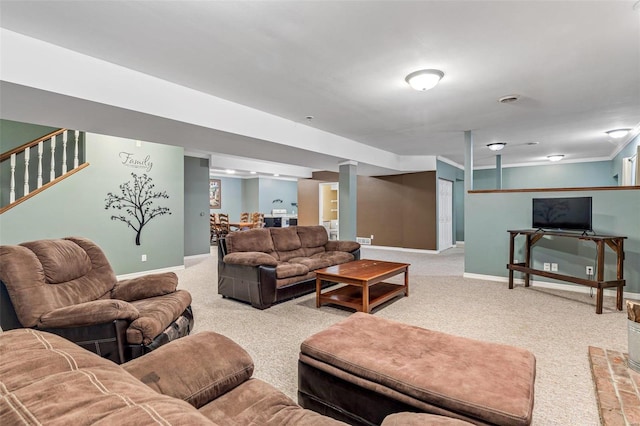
(258, 219)
(244, 217)
(224, 224)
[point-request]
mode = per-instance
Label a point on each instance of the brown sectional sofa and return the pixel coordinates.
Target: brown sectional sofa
(269, 265)
(202, 379)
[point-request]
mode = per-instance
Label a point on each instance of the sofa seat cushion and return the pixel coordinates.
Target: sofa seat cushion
(285, 256)
(491, 382)
(339, 245)
(49, 380)
(312, 263)
(156, 313)
(287, 270)
(257, 403)
(250, 258)
(334, 257)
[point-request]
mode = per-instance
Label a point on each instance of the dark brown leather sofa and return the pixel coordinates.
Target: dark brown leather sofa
(269, 265)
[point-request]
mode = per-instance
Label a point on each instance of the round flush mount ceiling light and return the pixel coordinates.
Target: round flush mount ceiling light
(496, 146)
(424, 79)
(555, 157)
(617, 133)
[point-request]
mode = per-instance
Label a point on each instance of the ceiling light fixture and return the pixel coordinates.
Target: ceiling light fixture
(229, 171)
(555, 157)
(509, 99)
(496, 146)
(424, 79)
(617, 133)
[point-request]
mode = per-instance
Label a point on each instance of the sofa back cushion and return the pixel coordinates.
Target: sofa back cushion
(287, 243)
(250, 240)
(313, 239)
(50, 380)
(45, 275)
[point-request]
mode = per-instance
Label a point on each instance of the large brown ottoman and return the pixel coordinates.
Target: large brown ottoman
(365, 367)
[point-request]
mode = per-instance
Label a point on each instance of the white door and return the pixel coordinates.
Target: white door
(445, 214)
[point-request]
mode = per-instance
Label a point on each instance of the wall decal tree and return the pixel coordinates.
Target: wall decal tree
(137, 201)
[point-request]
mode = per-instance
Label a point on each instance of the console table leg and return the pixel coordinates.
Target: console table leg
(619, 298)
(318, 290)
(599, 292)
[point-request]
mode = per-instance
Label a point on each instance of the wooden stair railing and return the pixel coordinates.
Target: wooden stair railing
(23, 153)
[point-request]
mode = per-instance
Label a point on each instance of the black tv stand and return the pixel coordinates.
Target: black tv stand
(615, 243)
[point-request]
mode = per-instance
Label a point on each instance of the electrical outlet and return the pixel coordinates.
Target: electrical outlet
(554, 267)
(372, 236)
(547, 266)
(589, 270)
(144, 258)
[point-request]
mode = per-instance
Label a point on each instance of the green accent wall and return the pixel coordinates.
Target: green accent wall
(76, 206)
(489, 215)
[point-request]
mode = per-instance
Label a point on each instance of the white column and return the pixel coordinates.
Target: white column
(75, 149)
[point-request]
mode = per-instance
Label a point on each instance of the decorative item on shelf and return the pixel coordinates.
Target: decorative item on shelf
(277, 201)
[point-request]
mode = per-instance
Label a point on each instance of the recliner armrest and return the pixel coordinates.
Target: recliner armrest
(89, 313)
(197, 368)
(151, 285)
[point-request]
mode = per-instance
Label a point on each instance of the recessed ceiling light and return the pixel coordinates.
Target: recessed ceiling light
(555, 157)
(276, 175)
(509, 99)
(617, 133)
(253, 173)
(309, 117)
(532, 143)
(424, 79)
(496, 146)
(229, 171)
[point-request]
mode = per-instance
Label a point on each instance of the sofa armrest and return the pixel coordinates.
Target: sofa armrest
(151, 285)
(250, 258)
(197, 368)
(89, 313)
(338, 245)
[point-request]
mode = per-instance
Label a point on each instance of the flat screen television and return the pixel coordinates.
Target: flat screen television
(572, 214)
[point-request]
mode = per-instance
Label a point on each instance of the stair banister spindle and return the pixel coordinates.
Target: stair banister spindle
(26, 170)
(12, 188)
(64, 152)
(52, 173)
(40, 150)
(75, 149)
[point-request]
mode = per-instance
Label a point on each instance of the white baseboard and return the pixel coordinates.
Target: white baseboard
(406, 250)
(549, 285)
(152, 271)
(459, 243)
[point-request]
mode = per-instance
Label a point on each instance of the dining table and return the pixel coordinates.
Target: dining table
(240, 225)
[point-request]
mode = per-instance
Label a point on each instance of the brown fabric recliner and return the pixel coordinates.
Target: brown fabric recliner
(67, 287)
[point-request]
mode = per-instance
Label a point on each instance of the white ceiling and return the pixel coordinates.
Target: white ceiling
(574, 64)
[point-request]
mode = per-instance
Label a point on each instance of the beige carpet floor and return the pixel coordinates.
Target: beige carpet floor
(557, 326)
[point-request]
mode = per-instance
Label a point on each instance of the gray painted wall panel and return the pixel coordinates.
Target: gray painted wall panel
(196, 206)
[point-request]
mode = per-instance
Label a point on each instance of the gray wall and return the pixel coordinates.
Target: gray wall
(76, 206)
(231, 201)
(277, 189)
(628, 151)
(196, 206)
(489, 216)
(251, 195)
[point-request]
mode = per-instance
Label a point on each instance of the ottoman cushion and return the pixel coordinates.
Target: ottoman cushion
(477, 380)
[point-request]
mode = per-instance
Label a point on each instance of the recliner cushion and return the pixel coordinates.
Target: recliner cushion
(156, 313)
(61, 260)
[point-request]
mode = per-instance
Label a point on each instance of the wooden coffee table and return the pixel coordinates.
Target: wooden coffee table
(365, 289)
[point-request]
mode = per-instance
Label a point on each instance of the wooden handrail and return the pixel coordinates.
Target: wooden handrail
(34, 142)
(43, 187)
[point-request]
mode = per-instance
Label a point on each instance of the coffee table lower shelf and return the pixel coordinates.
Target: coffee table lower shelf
(350, 296)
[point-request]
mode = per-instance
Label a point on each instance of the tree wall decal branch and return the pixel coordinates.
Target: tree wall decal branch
(136, 201)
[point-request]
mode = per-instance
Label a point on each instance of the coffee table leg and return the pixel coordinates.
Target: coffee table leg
(318, 290)
(406, 282)
(365, 297)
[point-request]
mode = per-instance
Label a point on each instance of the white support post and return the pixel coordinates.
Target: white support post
(12, 188)
(26, 170)
(64, 152)
(75, 149)
(40, 149)
(52, 172)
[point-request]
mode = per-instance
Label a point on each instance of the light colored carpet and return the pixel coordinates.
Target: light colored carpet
(558, 327)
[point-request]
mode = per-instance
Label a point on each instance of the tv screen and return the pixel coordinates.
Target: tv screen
(562, 213)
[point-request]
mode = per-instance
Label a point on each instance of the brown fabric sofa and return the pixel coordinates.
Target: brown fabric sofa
(203, 379)
(269, 265)
(67, 287)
